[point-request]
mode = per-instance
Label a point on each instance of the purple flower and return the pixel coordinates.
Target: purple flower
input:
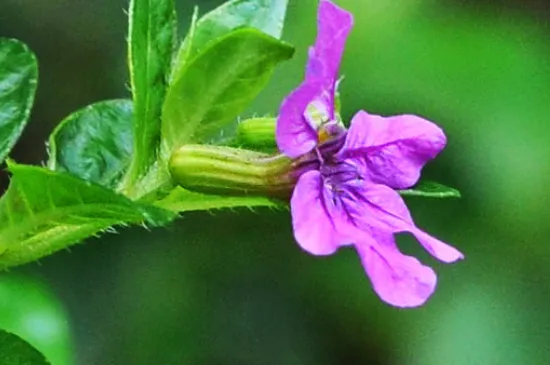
(345, 194)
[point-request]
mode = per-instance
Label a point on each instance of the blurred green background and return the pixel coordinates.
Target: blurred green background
(233, 287)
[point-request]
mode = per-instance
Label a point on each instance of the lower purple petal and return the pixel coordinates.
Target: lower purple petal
(438, 249)
(383, 209)
(398, 279)
(313, 227)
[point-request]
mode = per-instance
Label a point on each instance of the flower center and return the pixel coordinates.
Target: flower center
(338, 173)
(321, 119)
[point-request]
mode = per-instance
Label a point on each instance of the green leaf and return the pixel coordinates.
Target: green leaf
(151, 43)
(218, 85)
(18, 81)
(15, 351)
(184, 51)
(183, 200)
(44, 211)
(94, 143)
(267, 16)
(430, 189)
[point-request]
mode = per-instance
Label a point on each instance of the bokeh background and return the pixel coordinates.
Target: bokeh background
(233, 287)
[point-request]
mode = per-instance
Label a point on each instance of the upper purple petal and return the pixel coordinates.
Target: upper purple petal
(398, 279)
(395, 149)
(333, 27)
(294, 134)
(383, 210)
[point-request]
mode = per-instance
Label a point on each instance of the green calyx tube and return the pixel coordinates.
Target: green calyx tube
(232, 171)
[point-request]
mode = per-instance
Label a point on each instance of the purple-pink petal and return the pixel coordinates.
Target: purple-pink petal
(294, 135)
(333, 27)
(437, 248)
(398, 279)
(395, 149)
(313, 226)
(384, 210)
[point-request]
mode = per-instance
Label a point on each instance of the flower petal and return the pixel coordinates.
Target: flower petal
(398, 279)
(295, 133)
(314, 229)
(333, 27)
(395, 149)
(383, 209)
(295, 136)
(438, 249)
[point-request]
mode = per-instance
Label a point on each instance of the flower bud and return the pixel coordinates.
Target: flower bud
(256, 133)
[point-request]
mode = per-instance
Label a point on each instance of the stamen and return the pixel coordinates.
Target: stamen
(323, 135)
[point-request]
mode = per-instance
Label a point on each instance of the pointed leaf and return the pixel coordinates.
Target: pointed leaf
(218, 85)
(267, 16)
(44, 211)
(184, 52)
(18, 81)
(151, 43)
(431, 189)
(182, 200)
(15, 351)
(94, 143)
